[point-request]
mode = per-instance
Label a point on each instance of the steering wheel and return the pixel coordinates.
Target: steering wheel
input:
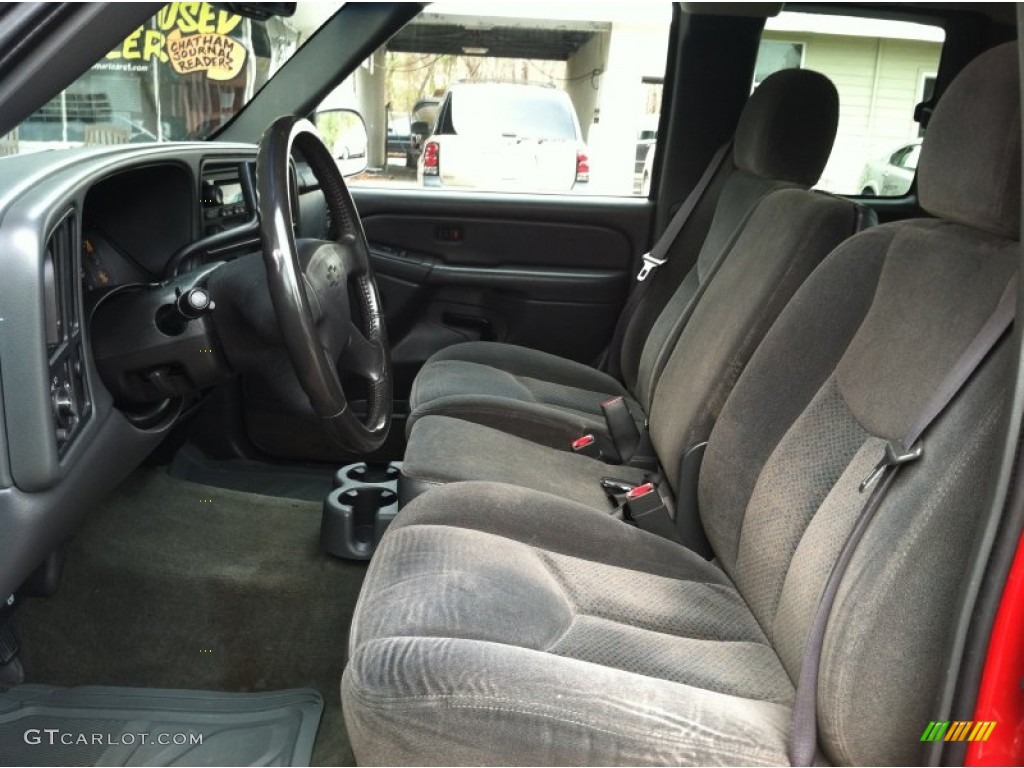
(312, 284)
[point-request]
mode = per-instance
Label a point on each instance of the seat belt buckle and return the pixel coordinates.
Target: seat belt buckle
(586, 445)
(642, 500)
(646, 509)
(617, 490)
(650, 264)
(895, 454)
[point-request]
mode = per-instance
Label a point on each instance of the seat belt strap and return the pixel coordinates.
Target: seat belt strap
(668, 345)
(658, 255)
(804, 732)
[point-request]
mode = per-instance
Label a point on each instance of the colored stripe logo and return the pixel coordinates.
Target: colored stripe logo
(958, 730)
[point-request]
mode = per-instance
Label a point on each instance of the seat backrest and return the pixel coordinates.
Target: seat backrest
(849, 364)
(783, 140)
(787, 236)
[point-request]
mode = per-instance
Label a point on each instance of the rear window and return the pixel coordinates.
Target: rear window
(522, 113)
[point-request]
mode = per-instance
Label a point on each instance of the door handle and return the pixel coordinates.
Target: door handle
(449, 233)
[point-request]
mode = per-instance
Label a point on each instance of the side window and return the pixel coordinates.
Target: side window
(899, 158)
(882, 69)
(906, 157)
(774, 55)
(562, 99)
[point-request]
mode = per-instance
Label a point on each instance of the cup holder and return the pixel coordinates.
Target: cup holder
(359, 509)
(368, 473)
(365, 503)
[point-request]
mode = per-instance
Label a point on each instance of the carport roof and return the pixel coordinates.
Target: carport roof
(502, 37)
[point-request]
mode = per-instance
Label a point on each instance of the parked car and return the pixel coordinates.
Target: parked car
(892, 175)
(407, 134)
(645, 139)
(399, 141)
(504, 136)
(648, 169)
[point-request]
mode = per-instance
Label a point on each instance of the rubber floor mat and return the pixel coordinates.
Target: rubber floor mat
(100, 725)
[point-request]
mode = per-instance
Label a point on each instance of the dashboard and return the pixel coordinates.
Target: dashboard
(76, 229)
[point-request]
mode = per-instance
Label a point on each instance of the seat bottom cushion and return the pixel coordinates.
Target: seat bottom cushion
(446, 450)
(499, 625)
(525, 392)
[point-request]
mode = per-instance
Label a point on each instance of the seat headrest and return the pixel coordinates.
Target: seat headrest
(969, 170)
(788, 126)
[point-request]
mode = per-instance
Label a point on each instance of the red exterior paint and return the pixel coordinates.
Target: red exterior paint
(1001, 697)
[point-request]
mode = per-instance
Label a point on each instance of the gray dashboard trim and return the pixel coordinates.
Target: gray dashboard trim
(33, 198)
(5, 464)
(44, 495)
(34, 524)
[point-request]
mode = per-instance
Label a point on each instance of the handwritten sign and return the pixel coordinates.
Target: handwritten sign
(218, 55)
(192, 37)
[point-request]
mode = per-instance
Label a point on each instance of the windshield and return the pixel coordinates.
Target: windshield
(180, 76)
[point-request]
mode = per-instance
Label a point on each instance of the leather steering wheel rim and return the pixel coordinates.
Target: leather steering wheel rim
(310, 282)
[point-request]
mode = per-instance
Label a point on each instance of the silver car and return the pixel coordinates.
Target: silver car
(892, 175)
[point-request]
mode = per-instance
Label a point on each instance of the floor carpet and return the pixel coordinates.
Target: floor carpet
(292, 482)
(178, 585)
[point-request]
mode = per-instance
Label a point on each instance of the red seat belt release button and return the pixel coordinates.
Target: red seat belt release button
(586, 445)
(582, 442)
(640, 491)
